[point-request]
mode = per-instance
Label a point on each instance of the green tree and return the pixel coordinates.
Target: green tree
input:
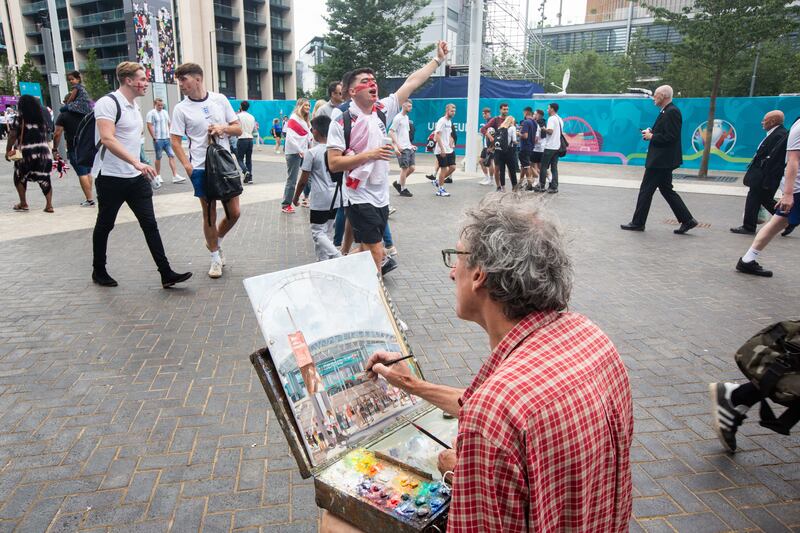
(30, 72)
(8, 78)
(381, 34)
(96, 85)
(715, 33)
(590, 73)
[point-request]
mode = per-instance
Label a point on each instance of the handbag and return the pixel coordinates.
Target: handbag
(16, 155)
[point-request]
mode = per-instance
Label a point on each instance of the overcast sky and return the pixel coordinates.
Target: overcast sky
(309, 23)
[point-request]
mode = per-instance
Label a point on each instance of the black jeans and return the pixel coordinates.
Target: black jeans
(505, 160)
(549, 160)
(244, 154)
(137, 192)
(658, 179)
(756, 197)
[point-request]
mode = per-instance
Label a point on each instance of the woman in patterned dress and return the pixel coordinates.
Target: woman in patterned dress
(28, 134)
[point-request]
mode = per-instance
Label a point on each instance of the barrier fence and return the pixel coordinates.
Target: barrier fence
(606, 130)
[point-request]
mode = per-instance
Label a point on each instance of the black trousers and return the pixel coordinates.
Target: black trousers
(505, 160)
(658, 179)
(244, 154)
(549, 160)
(756, 197)
(137, 192)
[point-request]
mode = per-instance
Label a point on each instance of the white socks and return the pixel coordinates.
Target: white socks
(215, 256)
(751, 255)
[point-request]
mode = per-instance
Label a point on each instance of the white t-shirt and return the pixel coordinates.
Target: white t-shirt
(444, 127)
(374, 189)
(538, 142)
(248, 123)
(160, 122)
(793, 144)
(128, 132)
(192, 119)
(400, 127)
(553, 140)
(322, 187)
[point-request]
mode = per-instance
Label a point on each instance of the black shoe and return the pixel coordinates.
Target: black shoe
(538, 188)
(752, 268)
(448, 180)
(685, 226)
(397, 186)
(170, 278)
(430, 176)
(741, 230)
(552, 190)
(727, 418)
(788, 231)
(388, 265)
(102, 278)
(632, 227)
(529, 187)
(406, 193)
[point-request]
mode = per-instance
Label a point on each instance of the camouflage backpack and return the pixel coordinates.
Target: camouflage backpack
(771, 361)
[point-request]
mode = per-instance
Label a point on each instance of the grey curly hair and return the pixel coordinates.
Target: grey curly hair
(522, 251)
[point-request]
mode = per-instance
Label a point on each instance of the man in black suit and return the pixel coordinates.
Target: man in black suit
(663, 156)
(764, 172)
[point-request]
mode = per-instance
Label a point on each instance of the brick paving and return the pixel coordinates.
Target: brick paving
(136, 409)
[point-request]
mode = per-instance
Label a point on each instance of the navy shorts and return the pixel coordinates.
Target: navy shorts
(446, 160)
(79, 170)
(198, 178)
(794, 214)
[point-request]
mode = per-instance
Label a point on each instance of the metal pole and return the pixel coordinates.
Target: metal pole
(52, 81)
(472, 137)
(628, 29)
(755, 70)
(60, 79)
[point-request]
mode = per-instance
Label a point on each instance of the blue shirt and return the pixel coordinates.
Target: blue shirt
(530, 127)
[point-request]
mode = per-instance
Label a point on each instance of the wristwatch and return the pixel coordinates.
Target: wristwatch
(438, 61)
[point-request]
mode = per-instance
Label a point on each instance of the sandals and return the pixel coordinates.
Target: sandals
(20, 207)
(48, 210)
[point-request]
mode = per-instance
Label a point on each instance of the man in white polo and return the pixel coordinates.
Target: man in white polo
(121, 178)
(403, 147)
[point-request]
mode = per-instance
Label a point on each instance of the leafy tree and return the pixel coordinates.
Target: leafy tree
(8, 78)
(96, 85)
(714, 33)
(28, 71)
(590, 73)
(381, 34)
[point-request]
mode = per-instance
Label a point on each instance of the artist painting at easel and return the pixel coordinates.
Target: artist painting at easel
(548, 419)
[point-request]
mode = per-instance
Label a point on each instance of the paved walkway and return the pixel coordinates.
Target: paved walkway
(135, 408)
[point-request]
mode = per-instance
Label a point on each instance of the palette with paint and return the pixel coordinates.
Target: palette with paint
(379, 473)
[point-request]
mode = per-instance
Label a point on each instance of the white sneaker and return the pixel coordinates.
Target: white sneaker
(392, 251)
(486, 180)
(442, 192)
(178, 179)
(221, 256)
(216, 270)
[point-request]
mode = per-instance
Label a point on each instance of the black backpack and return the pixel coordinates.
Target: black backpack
(347, 125)
(501, 140)
(84, 147)
(223, 181)
(411, 131)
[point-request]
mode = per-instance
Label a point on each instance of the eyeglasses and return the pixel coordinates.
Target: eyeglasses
(449, 256)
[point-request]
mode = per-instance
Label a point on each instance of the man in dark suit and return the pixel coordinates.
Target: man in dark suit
(764, 172)
(663, 156)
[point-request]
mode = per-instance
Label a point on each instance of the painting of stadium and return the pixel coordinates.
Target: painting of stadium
(322, 322)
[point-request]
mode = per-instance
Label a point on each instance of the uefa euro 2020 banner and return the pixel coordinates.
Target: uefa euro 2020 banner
(608, 130)
(151, 27)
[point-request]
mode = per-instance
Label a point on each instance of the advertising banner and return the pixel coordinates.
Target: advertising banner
(152, 26)
(606, 130)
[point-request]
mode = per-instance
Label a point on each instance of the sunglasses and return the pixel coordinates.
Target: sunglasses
(449, 256)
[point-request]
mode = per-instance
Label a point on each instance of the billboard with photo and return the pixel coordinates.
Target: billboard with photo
(152, 28)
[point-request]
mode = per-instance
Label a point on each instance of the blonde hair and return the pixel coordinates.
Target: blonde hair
(298, 108)
(319, 103)
(128, 69)
(509, 121)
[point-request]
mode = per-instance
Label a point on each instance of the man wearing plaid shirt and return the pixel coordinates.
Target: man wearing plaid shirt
(545, 428)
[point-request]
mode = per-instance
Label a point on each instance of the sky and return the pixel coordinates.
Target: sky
(309, 22)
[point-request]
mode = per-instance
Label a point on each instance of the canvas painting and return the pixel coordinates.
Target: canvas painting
(322, 322)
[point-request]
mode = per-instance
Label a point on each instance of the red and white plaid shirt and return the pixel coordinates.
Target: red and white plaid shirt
(544, 433)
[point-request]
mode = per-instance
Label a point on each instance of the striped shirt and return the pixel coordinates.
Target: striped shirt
(160, 122)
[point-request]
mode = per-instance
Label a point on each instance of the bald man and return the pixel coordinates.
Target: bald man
(764, 172)
(663, 156)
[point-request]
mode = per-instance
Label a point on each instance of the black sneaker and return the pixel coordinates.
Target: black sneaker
(388, 265)
(529, 187)
(430, 176)
(538, 188)
(752, 268)
(102, 278)
(788, 231)
(552, 190)
(727, 418)
(170, 278)
(397, 186)
(448, 180)
(406, 193)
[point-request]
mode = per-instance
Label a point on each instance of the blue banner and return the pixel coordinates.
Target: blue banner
(608, 130)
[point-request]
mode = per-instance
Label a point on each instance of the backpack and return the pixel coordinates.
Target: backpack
(347, 125)
(501, 140)
(84, 147)
(771, 361)
(562, 150)
(411, 131)
(222, 178)
(431, 143)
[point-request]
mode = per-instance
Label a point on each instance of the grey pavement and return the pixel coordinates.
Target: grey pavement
(136, 409)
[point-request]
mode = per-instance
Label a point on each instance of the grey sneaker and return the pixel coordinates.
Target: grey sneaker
(88, 203)
(727, 418)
